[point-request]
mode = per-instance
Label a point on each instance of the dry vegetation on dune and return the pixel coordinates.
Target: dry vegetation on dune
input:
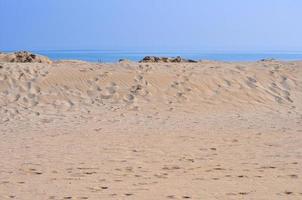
(23, 57)
(205, 130)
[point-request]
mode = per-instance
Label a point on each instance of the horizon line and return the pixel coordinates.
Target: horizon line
(158, 51)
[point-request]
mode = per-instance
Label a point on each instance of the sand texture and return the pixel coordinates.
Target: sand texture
(149, 131)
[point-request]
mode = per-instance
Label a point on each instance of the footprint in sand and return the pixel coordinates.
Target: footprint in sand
(129, 98)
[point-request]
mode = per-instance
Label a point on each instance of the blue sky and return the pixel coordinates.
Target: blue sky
(208, 25)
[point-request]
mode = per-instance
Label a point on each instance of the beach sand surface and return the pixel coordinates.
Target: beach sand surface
(145, 131)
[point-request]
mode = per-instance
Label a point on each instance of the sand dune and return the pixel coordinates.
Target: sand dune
(199, 84)
(205, 130)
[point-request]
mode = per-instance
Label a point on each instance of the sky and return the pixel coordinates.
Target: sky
(206, 25)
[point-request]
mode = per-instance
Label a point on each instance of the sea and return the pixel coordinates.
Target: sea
(114, 56)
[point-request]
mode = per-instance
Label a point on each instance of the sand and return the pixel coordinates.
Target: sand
(206, 130)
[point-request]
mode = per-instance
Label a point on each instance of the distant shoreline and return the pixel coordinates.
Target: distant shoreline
(115, 57)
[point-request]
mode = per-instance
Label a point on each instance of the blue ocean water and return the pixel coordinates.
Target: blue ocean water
(114, 56)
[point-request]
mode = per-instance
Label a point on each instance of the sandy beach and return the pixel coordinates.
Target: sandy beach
(146, 131)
